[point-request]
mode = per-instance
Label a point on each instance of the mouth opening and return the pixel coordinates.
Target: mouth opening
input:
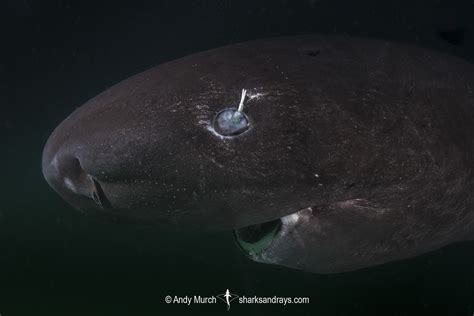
(256, 238)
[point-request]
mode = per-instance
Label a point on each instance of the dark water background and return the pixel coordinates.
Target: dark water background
(55, 55)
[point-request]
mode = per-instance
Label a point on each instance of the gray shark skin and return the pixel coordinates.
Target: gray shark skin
(356, 152)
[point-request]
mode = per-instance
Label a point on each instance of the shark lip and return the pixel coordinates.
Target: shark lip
(256, 238)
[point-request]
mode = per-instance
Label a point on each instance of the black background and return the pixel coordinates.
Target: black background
(55, 55)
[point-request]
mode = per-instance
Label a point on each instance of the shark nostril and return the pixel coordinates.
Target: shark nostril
(98, 195)
(96, 199)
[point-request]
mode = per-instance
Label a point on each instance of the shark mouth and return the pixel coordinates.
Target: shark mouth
(256, 238)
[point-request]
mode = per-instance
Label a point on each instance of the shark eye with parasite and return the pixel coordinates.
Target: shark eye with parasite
(232, 121)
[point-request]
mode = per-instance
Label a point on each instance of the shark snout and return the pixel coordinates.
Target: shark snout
(65, 173)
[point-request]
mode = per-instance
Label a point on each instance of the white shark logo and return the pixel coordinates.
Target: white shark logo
(227, 298)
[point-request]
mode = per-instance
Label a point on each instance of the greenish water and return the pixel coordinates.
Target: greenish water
(56, 261)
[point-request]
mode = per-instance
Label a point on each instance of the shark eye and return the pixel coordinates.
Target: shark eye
(256, 238)
(231, 122)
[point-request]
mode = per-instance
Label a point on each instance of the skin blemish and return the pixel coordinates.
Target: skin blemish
(70, 185)
(54, 162)
(255, 95)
